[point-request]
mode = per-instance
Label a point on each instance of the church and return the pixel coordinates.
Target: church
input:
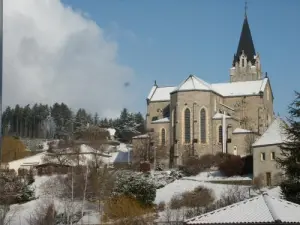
(198, 118)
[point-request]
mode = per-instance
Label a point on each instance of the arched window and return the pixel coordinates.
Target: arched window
(187, 126)
(163, 136)
(203, 125)
(220, 134)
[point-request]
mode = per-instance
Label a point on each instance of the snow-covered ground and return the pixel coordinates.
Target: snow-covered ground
(190, 183)
(179, 186)
(215, 175)
(22, 213)
(122, 152)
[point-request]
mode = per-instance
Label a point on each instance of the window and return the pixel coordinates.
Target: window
(235, 150)
(220, 134)
(215, 105)
(203, 125)
(243, 62)
(154, 118)
(187, 126)
(262, 156)
(173, 117)
(163, 136)
(272, 155)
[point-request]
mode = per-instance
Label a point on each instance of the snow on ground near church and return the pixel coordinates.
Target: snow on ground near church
(179, 186)
(215, 175)
(121, 155)
(21, 213)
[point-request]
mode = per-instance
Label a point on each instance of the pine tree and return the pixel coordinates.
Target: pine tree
(290, 160)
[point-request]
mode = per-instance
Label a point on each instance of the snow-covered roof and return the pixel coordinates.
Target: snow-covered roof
(220, 116)
(152, 91)
(241, 88)
(260, 209)
(163, 120)
(160, 93)
(241, 131)
(141, 136)
(273, 135)
(193, 83)
(111, 131)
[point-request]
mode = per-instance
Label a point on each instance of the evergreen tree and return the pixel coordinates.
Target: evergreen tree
(290, 162)
(96, 119)
(139, 119)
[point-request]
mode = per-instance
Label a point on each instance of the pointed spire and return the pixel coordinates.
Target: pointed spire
(246, 7)
(245, 43)
(155, 84)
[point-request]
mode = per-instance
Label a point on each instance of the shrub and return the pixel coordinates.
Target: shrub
(232, 165)
(122, 206)
(161, 206)
(140, 187)
(258, 181)
(197, 198)
(191, 166)
(176, 202)
(207, 161)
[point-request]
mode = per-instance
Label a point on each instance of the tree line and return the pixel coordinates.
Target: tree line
(46, 121)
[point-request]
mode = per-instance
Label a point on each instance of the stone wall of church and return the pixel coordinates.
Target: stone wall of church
(246, 109)
(194, 101)
(154, 110)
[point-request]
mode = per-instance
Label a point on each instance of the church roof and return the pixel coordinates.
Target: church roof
(160, 93)
(241, 131)
(193, 83)
(245, 44)
(260, 209)
(273, 135)
(242, 88)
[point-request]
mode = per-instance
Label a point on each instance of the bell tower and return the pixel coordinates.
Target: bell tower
(246, 62)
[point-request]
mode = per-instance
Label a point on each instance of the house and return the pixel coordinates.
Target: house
(265, 151)
(262, 209)
(197, 117)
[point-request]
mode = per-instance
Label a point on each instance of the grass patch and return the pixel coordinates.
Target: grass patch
(232, 182)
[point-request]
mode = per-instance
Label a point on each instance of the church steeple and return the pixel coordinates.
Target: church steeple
(245, 44)
(246, 64)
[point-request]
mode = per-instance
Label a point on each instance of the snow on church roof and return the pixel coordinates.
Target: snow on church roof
(242, 88)
(241, 131)
(260, 209)
(193, 83)
(163, 120)
(273, 135)
(160, 93)
(220, 116)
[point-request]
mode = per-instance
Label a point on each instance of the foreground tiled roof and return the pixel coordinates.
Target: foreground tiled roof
(260, 209)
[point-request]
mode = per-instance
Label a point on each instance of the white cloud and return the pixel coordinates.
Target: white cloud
(53, 53)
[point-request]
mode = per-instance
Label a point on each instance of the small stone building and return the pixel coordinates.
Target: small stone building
(265, 151)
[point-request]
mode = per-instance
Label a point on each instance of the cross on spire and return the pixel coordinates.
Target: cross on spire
(246, 7)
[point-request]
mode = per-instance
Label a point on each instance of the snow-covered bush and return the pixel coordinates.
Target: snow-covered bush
(136, 185)
(232, 165)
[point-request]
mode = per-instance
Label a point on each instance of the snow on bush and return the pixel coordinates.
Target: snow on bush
(133, 184)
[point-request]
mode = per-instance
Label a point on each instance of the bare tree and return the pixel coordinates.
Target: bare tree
(249, 140)
(148, 148)
(44, 214)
